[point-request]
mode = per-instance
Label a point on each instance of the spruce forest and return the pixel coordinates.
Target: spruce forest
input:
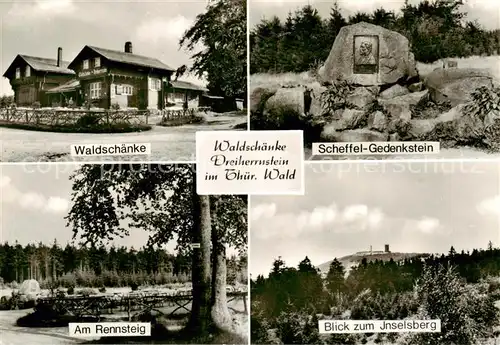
(72, 266)
(461, 289)
(436, 29)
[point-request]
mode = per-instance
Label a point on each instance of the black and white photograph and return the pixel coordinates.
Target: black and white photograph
(379, 71)
(112, 73)
(379, 241)
(118, 243)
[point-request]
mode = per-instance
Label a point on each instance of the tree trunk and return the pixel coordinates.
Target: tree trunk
(220, 312)
(200, 321)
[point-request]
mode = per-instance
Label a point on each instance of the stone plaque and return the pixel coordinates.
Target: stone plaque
(365, 54)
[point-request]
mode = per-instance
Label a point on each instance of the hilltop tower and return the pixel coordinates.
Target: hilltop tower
(386, 248)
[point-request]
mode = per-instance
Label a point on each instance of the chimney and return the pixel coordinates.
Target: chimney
(128, 47)
(387, 248)
(59, 57)
(371, 250)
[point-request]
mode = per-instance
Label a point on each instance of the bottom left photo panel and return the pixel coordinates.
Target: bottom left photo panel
(120, 253)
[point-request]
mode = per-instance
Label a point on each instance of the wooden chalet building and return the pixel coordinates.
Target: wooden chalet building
(31, 77)
(180, 92)
(100, 78)
(110, 77)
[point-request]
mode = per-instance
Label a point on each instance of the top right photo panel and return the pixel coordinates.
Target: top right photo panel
(378, 79)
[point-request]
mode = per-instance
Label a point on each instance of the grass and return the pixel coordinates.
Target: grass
(491, 63)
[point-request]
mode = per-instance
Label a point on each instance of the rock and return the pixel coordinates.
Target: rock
(394, 137)
(492, 130)
(317, 109)
(377, 121)
(355, 135)
(416, 87)
(394, 91)
(420, 128)
(360, 97)
(456, 84)
(457, 127)
(359, 65)
(491, 118)
(259, 96)
(290, 98)
(399, 107)
(396, 108)
(350, 119)
(412, 66)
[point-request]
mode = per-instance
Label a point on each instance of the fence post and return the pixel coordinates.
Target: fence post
(27, 117)
(128, 310)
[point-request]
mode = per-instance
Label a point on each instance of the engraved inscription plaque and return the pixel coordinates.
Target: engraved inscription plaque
(365, 54)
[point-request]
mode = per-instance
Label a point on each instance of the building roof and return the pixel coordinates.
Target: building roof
(179, 84)
(71, 85)
(129, 58)
(42, 65)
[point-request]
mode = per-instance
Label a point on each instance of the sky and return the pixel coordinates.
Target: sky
(487, 12)
(34, 199)
(413, 207)
(39, 27)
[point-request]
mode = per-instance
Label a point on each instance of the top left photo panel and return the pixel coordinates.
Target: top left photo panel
(119, 81)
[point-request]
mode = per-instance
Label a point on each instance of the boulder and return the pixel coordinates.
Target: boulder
(368, 54)
(455, 85)
(259, 96)
(492, 130)
(420, 128)
(350, 119)
(491, 118)
(317, 108)
(457, 127)
(360, 97)
(394, 137)
(394, 91)
(396, 109)
(377, 121)
(416, 87)
(355, 135)
(290, 98)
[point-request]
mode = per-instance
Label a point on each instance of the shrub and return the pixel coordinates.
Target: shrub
(88, 120)
(466, 314)
(259, 330)
(483, 101)
(297, 328)
(335, 96)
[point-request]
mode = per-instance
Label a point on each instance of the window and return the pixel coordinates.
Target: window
(28, 71)
(155, 84)
(95, 90)
(97, 62)
(127, 90)
(18, 73)
(85, 64)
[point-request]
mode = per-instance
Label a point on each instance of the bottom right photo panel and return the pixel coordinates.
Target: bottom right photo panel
(391, 253)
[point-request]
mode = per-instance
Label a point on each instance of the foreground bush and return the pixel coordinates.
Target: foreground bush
(467, 314)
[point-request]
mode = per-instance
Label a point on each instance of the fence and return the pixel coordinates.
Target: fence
(133, 304)
(169, 115)
(67, 117)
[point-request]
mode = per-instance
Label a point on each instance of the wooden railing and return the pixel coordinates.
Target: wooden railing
(133, 304)
(65, 117)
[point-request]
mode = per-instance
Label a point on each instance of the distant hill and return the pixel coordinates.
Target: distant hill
(352, 260)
